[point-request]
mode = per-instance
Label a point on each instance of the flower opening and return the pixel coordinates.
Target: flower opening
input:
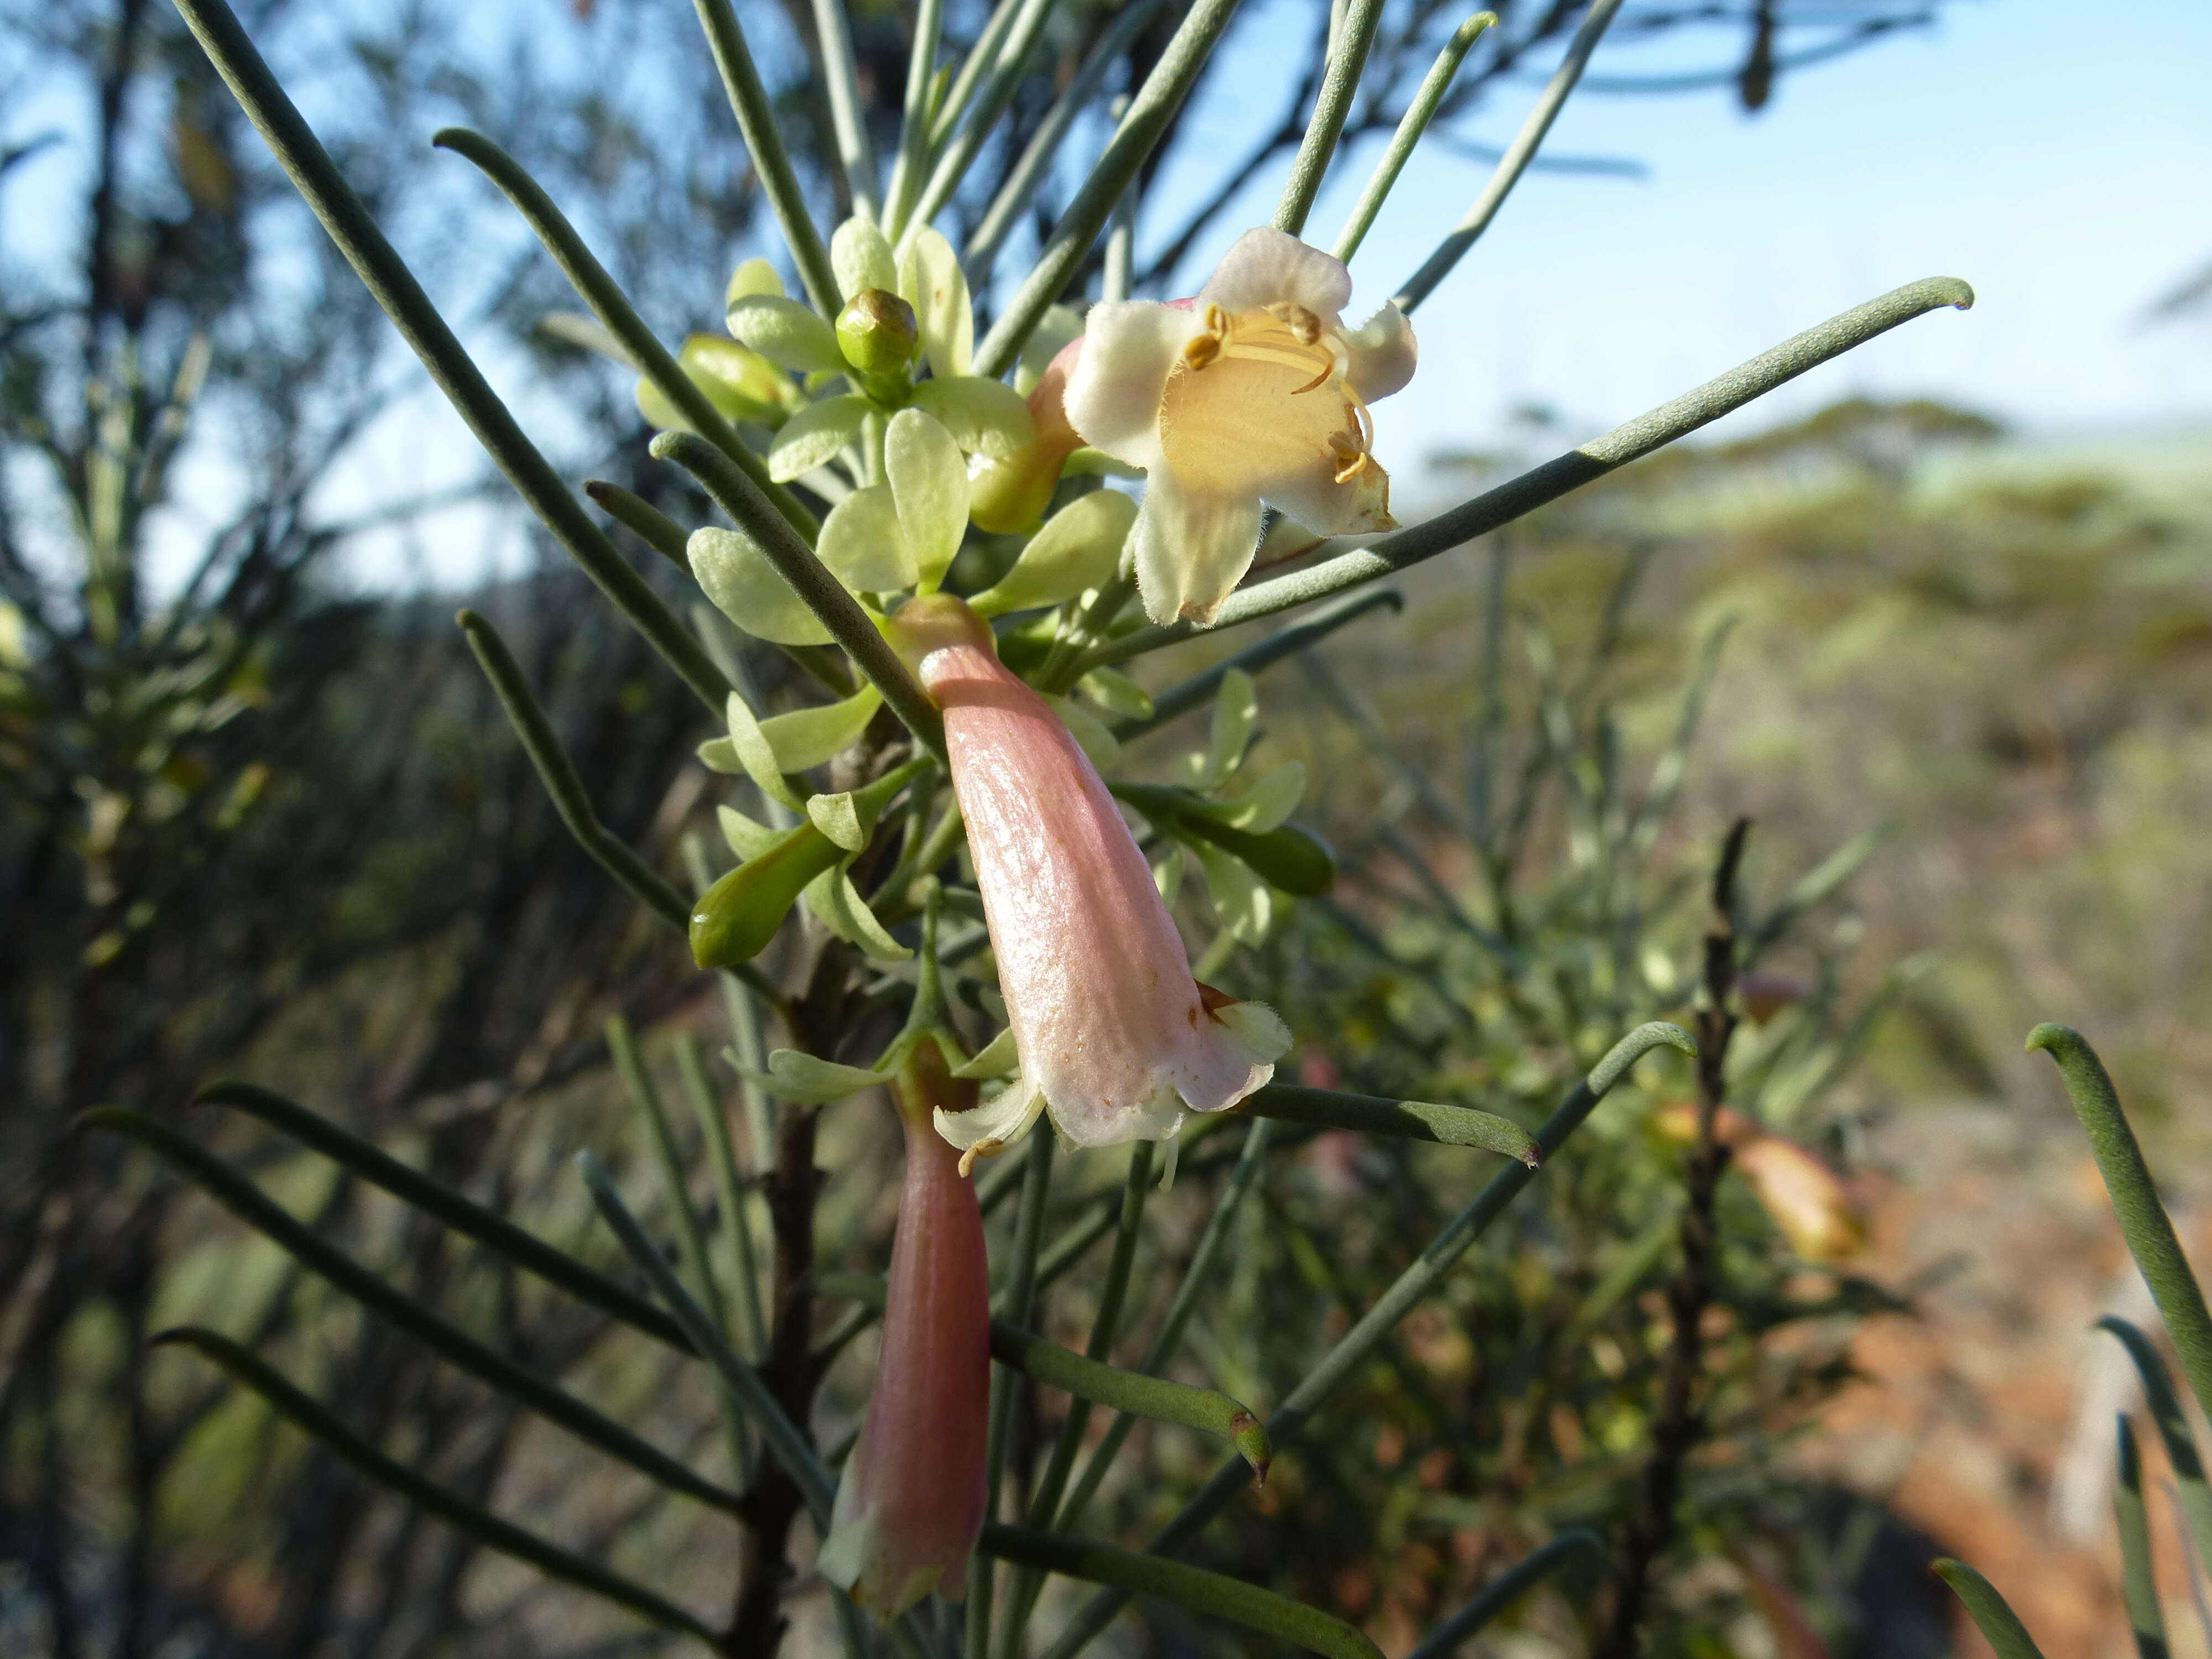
(1254, 391)
(1117, 1039)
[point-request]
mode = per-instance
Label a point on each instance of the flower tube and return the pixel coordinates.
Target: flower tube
(1254, 391)
(1117, 1039)
(912, 1498)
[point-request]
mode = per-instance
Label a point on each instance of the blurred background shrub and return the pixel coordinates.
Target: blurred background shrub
(259, 815)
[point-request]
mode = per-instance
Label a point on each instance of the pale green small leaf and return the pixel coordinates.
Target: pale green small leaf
(721, 755)
(864, 542)
(659, 414)
(816, 435)
(785, 331)
(1236, 711)
(834, 899)
(807, 737)
(1245, 903)
(576, 329)
(1090, 732)
(752, 278)
(932, 282)
(1116, 693)
(1054, 331)
(806, 1080)
(929, 481)
(999, 1058)
(747, 838)
(736, 379)
(985, 417)
(756, 755)
(1266, 804)
(862, 258)
(836, 817)
(1079, 547)
(737, 576)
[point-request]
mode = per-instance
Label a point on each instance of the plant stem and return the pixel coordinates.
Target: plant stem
(791, 1189)
(1681, 1420)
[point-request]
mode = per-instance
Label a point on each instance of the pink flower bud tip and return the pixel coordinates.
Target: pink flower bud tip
(911, 1502)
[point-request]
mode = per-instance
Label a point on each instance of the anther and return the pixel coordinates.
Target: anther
(1200, 349)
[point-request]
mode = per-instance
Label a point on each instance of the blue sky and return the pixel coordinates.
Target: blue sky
(2058, 157)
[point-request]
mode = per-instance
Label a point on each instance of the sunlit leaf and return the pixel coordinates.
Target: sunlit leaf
(736, 575)
(807, 737)
(932, 282)
(863, 540)
(816, 435)
(1079, 547)
(929, 481)
(985, 417)
(785, 331)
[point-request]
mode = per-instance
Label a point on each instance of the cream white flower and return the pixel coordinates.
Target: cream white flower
(1254, 391)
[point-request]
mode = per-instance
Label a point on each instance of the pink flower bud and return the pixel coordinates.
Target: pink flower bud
(1117, 1039)
(911, 1502)
(1012, 494)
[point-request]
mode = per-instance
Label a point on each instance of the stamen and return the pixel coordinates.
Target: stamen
(1317, 382)
(987, 1147)
(1203, 349)
(1304, 326)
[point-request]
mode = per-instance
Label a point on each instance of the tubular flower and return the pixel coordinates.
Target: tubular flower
(1117, 1039)
(912, 1498)
(1254, 391)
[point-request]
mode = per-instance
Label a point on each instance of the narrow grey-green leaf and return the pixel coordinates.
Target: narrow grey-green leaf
(258, 1211)
(2138, 1576)
(1503, 1591)
(1999, 1624)
(2192, 1494)
(1193, 1589)
(2143, 1220)
(1406, 1119)
(306, 1414)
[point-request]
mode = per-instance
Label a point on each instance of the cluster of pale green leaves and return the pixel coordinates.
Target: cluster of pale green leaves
(877, 413)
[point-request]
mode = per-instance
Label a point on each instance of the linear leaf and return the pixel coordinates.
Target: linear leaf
(599, 289)
(1405, 1292)
(1251, 1159)
(306, 1414)
(394, 288)
(1207, 1410)
(784, 1438)
(2192, 1494)
(1503, 1591)
(2142, 1219)
(1997, 1621)
(433, 1198)
(1407, 1120)
(1480, 515)
(1191, 1588)
(249, 1205)
(2138, 1576)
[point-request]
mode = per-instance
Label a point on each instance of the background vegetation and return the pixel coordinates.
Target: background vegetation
(261, 820)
